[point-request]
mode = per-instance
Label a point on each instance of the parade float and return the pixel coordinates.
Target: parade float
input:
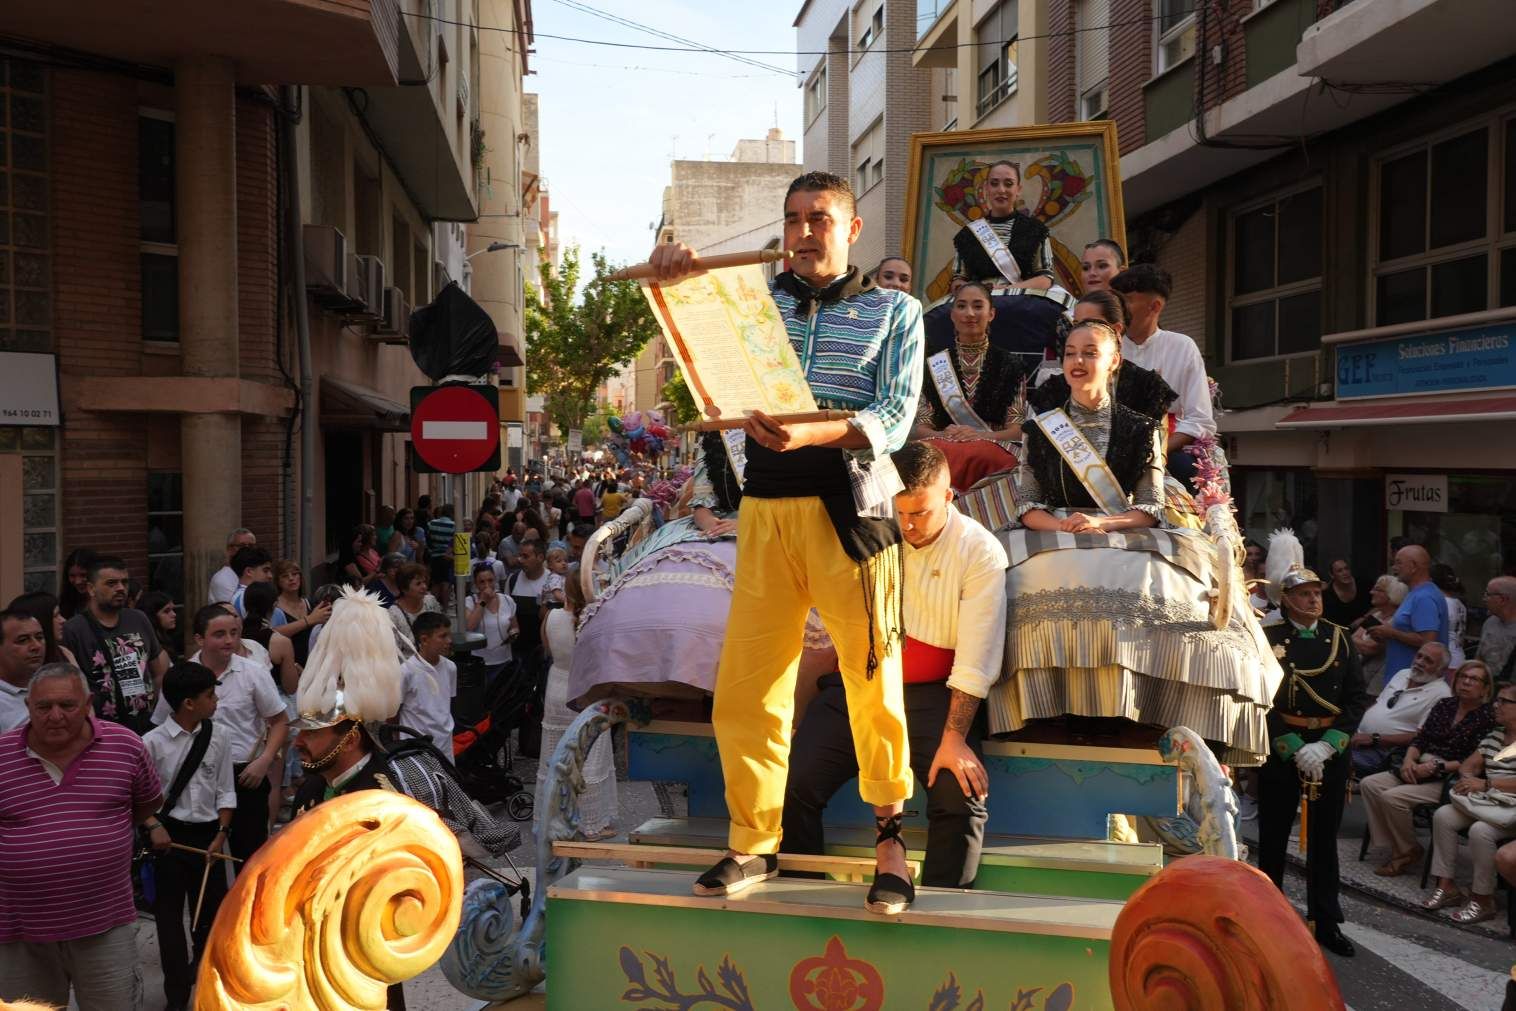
(1067, 912)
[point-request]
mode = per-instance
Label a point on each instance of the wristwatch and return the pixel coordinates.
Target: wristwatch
(1374, 740)
(1441, 767)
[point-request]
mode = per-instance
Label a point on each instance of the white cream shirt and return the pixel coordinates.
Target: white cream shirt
(955, 599)
(426, 704)
(246, 700)
(13, 711)
(1177, 359)
(1410, 709)
(211, 788)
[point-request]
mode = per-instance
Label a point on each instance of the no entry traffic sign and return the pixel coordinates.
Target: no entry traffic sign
(456, 429)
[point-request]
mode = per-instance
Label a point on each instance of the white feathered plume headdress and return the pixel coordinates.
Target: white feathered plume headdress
(354, 671)
(1285, 564)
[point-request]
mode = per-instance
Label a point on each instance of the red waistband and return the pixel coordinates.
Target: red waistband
(925, 664)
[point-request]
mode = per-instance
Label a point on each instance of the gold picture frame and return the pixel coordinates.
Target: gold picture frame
(946, 170)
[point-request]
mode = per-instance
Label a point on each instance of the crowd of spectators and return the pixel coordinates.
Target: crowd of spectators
(107, 691)
(1430, 748)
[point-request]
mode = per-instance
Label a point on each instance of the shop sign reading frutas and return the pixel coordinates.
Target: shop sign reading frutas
(1472, 358)
(1417, 493)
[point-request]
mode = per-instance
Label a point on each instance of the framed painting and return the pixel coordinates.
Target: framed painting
(1070, 181)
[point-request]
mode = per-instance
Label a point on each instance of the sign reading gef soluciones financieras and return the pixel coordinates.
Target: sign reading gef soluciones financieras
(1472, 358)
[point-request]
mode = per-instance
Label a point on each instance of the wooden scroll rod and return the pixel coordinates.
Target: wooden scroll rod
(644, 271)
(799, 418)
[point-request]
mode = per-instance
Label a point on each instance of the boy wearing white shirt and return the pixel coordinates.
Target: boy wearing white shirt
(199, 814)
(1175, 357)
(253, 720)
(430, 682)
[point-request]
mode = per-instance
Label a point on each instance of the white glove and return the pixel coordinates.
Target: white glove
(1311, 759)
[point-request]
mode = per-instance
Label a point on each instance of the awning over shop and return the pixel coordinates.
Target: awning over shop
(1401, 412)
(508, 352)
(348, 405)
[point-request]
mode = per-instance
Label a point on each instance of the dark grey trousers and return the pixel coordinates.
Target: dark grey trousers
(822, 760)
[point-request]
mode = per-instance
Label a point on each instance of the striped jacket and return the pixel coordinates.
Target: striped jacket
(861, 348)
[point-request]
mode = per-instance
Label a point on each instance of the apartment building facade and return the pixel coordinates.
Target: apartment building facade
(153, 251)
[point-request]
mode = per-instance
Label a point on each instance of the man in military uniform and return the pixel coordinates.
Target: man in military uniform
(351, 686)
(1315, 712)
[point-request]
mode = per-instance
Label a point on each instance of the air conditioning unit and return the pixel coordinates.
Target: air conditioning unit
(357, 285)
(326, 262)
(373, 271)
(395, 320)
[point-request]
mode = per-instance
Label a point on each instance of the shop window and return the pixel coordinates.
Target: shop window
(1276, 497)
(997, 40)
(1275, 276)
(165, 533)
(1476, 536)
(1176, 33)
(1441, 248)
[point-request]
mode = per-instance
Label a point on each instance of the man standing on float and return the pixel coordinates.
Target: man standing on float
(816, 529)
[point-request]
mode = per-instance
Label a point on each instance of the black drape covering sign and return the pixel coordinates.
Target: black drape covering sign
(453, 336)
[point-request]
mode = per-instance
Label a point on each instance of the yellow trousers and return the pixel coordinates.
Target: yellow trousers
(788, 561)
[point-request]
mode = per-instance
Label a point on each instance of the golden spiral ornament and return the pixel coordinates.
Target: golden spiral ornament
(1206, 933)
(360, 892)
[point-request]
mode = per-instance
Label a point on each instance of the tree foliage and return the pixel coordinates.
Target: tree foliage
(682, 409)
(576, 341)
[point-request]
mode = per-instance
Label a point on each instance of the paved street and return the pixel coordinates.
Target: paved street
(1406, 961)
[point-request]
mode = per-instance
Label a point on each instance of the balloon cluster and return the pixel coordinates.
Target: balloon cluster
(637, 433)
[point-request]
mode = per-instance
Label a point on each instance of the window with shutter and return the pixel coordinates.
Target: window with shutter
(1092, 56)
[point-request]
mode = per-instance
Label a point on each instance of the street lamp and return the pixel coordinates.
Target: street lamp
(493, 247)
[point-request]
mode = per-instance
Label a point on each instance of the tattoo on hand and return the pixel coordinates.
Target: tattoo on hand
(961, 710)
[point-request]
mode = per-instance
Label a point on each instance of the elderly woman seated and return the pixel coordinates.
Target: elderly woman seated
(1483, 803)
(1451, 731)
(1384, 597)
(1400, 710)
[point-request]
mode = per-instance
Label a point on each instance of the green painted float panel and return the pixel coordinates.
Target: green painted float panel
(637, 939)
(1046, 881)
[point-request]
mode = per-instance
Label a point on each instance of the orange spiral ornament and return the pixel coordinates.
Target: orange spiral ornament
(357, 893)
(1206, 933)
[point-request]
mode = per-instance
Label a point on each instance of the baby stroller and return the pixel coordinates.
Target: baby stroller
(482, 742)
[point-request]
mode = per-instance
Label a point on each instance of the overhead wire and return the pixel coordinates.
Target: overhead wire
(659, 33)
(1146, 19)
(651, 70)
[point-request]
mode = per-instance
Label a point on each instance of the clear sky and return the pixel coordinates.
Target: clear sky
(611, 119)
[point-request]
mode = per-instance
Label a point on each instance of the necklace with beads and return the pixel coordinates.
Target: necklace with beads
(971, 366)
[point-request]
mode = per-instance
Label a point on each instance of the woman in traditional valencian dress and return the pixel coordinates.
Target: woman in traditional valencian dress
(1004, 247)
(1109, 605)
(657, 629)
(971, 406)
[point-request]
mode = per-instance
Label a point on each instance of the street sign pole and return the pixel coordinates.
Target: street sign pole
(455, 429)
